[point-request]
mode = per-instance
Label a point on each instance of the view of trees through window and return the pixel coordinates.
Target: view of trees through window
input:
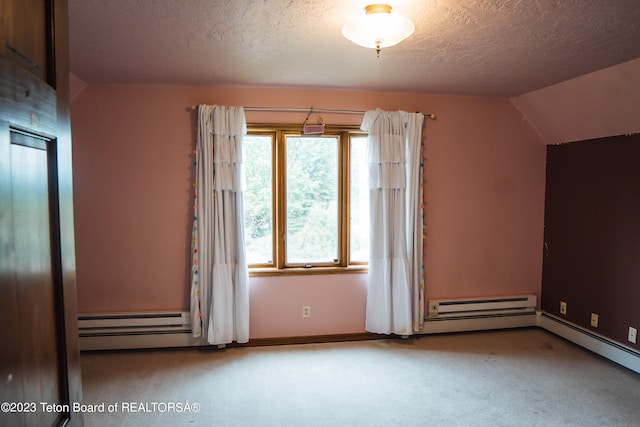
(316, 217)
(312, 199)
(359, 204)
(258, 198)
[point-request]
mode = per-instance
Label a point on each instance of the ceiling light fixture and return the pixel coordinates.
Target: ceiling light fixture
(378, 28)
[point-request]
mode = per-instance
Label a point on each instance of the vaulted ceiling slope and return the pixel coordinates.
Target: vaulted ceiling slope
(474, 47)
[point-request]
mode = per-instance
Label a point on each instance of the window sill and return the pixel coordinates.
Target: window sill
(300, 271)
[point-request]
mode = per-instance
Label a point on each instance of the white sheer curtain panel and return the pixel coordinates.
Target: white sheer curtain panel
(219, 279)
(393, 289)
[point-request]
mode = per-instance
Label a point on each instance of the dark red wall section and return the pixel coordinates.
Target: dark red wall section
(592, 234)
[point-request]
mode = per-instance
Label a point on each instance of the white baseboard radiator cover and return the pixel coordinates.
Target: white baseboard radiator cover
(474, 314)
(605, 347)
(111, 331)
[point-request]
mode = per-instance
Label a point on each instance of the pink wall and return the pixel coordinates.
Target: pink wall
(599, 104)
(132, 166)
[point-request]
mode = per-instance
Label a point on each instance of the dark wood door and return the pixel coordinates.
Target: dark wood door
(36, 333)
(39, 361)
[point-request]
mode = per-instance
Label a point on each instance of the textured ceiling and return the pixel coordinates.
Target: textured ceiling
(474, 47)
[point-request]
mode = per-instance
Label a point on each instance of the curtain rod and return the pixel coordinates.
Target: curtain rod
(306, 110)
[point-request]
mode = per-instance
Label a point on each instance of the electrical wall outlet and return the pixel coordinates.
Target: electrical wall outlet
(563, 307)
(594, 320)
(434, 309)
(306, 311)
(633, 334)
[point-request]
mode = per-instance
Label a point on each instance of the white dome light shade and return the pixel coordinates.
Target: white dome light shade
(378, 27)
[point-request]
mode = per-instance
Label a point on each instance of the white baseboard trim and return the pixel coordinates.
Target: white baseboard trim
(93, 337)
(478, 323)
(605, 347)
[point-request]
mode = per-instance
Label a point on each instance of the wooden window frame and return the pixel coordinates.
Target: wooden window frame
(279, 132)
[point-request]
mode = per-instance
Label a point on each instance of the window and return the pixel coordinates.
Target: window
(306, 199)
(359, 200)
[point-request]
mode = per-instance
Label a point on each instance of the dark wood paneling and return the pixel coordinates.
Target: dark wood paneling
(27, 102)
(25, 41)
(37, 267)
(592, 234)
(11, 370)
(64, 173)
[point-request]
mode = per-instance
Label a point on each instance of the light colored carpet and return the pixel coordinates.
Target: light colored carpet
(506, 378)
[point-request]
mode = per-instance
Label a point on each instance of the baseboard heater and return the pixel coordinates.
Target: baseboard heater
(616, 352)
(474, 307)
(469, 314)
(110, 331)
